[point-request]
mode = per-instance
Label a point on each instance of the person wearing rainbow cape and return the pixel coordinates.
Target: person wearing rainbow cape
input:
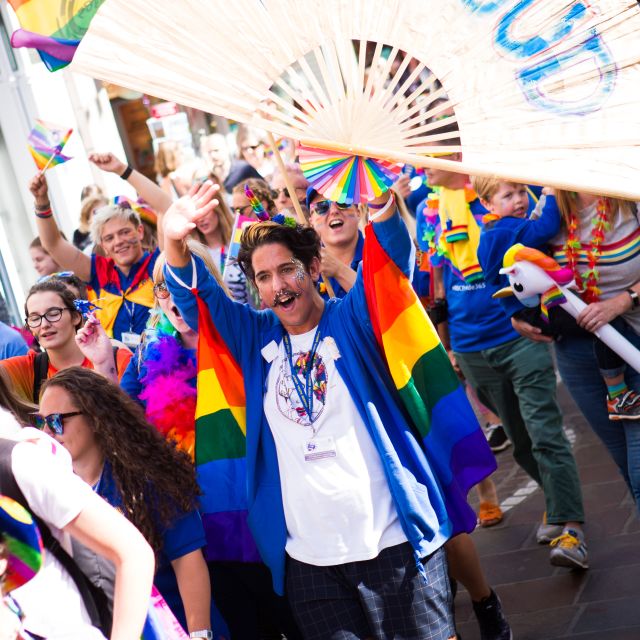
(341, 490)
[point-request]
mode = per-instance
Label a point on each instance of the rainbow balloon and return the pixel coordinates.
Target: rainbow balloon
(346, 178)
(53, 28)
(256, 205)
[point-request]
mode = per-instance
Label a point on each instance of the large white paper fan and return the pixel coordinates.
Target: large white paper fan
(542, 91)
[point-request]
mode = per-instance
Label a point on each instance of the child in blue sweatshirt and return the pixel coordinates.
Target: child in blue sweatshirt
(507, 224)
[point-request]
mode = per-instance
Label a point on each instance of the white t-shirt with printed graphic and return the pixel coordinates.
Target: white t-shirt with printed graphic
(337, 504)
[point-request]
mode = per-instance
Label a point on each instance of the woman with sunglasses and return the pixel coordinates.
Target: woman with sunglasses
(129, 464)
(52, 318)
(338, 226)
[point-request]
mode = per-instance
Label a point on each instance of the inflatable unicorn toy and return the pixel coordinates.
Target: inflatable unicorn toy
(536, 279)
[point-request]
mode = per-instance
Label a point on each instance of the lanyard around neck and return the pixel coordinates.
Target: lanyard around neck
(305, 393)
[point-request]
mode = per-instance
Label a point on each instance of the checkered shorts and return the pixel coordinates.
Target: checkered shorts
(385, 597)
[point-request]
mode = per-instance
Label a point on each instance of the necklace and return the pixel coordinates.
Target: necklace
(588, 281)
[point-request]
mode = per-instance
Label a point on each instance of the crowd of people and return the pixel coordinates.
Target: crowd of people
(292, 498)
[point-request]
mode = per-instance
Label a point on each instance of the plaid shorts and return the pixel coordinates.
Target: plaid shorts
(385, 597)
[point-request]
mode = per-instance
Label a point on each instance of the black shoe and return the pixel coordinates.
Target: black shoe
(497, 438)
(493, 625)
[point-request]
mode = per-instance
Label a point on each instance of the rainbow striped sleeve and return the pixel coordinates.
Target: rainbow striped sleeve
(53, 28)
(220, 449)
(433, 396)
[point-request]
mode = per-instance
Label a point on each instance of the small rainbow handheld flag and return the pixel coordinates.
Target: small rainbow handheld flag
(45, 143)
(53, 28)
(221, 446)
(432, 395)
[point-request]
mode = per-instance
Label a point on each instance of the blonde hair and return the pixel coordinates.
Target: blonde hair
(111, 212)
(167, 158)
(197, 249)
(568, 205)
(225, 217)
(87, 207)
(486, 188)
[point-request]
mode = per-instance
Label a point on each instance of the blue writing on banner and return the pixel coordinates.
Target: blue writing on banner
(593, 50)
(485, 6)
(543, 59)
(537, 43)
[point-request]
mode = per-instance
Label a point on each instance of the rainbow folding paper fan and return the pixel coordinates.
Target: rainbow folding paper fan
(541, 91)
(344, 177)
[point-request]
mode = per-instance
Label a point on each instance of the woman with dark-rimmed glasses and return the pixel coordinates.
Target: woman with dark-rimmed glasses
(52, 318)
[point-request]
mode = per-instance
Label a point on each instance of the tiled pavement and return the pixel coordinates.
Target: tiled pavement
(544, 602)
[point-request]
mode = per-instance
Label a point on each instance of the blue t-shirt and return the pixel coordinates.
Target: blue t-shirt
(184, 536)
(476, 320)
(11, 342)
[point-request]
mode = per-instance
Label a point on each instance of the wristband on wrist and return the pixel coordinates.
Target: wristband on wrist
(127, 172)
(387, 205)
(46, 213)
(42, 207)
(635, 299)
(204, 633)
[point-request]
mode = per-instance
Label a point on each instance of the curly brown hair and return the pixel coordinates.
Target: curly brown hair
(157, 482)
(303, 242)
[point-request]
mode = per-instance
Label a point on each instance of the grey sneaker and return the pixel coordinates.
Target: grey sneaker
(569, 550)
(548, 532)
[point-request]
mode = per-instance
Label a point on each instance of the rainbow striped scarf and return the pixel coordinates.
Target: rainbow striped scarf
(220, 456)
(53, 28)
(433, 397)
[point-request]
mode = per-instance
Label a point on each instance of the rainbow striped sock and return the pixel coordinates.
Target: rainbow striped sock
(616, 390)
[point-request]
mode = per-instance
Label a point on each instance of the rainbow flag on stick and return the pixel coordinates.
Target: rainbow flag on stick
(53, 28)
(432, 395)
(46, 142)
(221, 428)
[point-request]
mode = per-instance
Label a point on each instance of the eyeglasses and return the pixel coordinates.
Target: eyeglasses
(57, 274)
(55, 421)
(322, 207)
(240, 210)
(54, 314)
(160, 290)
(285, 192)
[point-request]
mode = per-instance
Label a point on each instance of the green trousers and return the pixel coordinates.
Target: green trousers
(517, 381)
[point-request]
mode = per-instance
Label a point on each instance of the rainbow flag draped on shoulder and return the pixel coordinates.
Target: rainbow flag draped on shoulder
(221, 427)
(54, 28)
(432, 395)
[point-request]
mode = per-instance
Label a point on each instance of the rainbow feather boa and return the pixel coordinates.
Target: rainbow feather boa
(169, 389)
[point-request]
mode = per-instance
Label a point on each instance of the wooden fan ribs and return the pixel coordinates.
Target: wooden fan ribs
(516, 74)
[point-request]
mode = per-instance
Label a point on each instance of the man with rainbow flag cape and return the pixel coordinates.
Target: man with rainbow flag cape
(357, 443)
(121, 280)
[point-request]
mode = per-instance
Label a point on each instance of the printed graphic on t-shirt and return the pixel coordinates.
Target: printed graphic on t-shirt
(287, 398)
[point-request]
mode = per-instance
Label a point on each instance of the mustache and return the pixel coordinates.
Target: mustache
(281, 295)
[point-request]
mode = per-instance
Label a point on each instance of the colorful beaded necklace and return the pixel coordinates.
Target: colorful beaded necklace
(588, 281)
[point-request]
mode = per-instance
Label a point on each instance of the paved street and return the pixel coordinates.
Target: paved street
(545, 602)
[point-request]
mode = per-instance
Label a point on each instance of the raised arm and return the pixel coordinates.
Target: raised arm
(541, 230)
(61, 250)
(103, 530)
(148, 190)
(228, 316)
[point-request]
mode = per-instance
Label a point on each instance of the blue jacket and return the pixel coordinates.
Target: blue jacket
(497, 237)
(246, 332)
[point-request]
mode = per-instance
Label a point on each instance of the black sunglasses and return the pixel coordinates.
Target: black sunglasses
(55, 421)
(322, 207)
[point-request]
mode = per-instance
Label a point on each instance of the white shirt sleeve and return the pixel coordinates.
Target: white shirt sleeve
(43, 470)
